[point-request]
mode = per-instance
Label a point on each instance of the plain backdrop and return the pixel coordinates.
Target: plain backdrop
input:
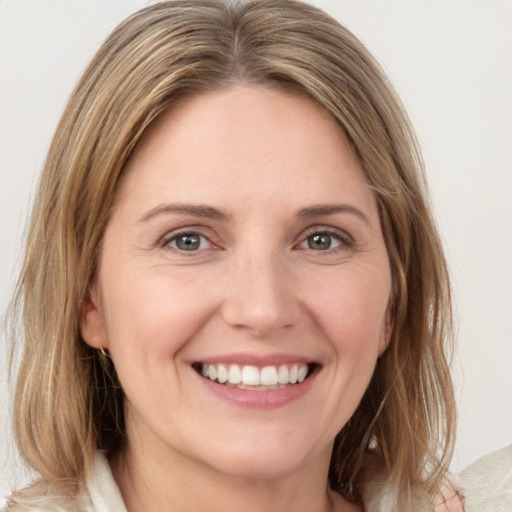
(451, 62)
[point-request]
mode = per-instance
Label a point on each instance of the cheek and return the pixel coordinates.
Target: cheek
(150, 319)
(154, 313)
(352, 312)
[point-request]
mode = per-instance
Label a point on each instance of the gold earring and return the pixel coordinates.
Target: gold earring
(103, 353)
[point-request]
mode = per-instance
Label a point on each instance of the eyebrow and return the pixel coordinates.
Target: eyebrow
(320, 210)
(209, 212)
(195, 210)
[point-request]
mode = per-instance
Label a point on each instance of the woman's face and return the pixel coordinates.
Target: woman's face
(243, 285)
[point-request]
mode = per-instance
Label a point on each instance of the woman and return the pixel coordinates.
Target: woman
(233, 287)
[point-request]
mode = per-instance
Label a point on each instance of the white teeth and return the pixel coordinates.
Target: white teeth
(235, 374)
(212, 372)
(248, 376)
(292, 374)
(282, 376)
(268, 376)
(222, 373)
(303, 371)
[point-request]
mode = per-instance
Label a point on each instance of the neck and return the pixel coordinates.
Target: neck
(174, 482)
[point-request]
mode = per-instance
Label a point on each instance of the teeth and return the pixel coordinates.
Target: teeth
(282, 376)
(212, 372)
(222, 373)
(292, 375)
(269, 376)
(235, 374)
(301, 375)
(248, 376)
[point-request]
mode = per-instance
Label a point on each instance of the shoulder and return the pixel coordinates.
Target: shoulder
(99, 494)
(451, 498)
(488, 482)
(29, 502)
(43, 496)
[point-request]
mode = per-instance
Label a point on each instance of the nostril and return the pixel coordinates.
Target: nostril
(260, 301)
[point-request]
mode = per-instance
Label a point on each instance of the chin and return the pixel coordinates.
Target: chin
(260, 467)
(266, 457)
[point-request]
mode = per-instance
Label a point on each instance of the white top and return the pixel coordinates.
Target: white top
(103, 493)
(488, 483)
(100, 495)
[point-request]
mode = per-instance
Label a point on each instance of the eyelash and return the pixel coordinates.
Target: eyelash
(173, 237)
(345, 241)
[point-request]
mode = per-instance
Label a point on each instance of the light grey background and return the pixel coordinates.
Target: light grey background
(451, 62)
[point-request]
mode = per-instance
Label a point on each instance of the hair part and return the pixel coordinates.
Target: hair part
(68, 400)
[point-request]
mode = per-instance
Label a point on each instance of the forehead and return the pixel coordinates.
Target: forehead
(254, 142)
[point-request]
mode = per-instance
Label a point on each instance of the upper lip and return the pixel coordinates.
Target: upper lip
(258, 360)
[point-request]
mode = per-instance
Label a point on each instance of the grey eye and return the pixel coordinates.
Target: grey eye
(189, 242)
(321, 242)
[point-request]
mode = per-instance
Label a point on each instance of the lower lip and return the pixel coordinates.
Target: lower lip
(271, 399)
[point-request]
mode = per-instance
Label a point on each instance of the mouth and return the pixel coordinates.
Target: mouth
(254, 378)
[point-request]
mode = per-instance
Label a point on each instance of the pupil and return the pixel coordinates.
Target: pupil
(319, 242)
(188, 242)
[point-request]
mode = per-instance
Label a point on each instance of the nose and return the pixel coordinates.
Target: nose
(259, 296)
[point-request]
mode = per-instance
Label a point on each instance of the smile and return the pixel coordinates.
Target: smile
(250, 377)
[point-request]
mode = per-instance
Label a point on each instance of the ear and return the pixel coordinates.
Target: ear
(92, 323)
(386, 330)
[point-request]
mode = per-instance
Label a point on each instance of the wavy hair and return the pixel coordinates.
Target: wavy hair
(68, 401)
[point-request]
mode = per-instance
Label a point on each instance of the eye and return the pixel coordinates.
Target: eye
(325, 240)
(188, 242)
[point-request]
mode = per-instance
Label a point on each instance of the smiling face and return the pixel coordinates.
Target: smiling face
(243, 285)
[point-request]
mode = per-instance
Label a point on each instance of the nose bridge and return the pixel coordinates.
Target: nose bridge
(258, 297)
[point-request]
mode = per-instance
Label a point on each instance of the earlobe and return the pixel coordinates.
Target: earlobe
(92, 323)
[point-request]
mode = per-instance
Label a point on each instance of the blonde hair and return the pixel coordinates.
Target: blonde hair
(68, 402)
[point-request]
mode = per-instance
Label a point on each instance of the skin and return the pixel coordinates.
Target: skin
(257, 285)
